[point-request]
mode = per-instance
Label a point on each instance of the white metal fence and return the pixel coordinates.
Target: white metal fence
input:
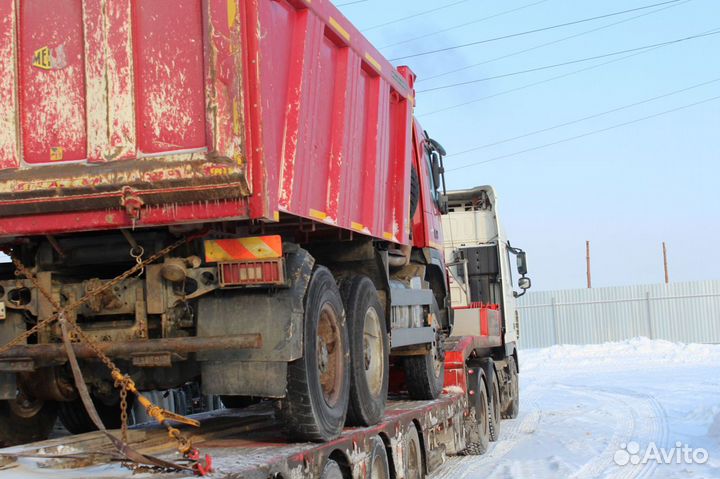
(685, 312)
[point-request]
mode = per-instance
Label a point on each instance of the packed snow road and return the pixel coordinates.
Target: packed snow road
(635, 409)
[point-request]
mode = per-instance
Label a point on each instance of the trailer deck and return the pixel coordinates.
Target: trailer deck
(249, 443)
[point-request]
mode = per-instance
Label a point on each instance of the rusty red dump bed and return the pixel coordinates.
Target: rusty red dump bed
(194, 111)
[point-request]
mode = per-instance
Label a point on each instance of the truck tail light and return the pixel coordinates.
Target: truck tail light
(252, 273)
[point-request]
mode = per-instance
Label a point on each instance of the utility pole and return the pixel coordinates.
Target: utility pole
(665, 263)
(587, 260)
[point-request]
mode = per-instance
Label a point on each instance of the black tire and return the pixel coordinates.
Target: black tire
(379, 464)
(318, 384)
(413, 460)
(425, 375)
(512, 408)
(332, 470)
(494, 403)
(239, 402)
(75, 418)
(22, 423)
(480, 437)
(369, 352)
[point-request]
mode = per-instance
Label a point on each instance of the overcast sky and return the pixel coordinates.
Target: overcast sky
(627, 189)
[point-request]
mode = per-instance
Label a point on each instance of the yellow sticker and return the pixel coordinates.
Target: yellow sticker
(231, 12)
(56, 153)
(42, 58)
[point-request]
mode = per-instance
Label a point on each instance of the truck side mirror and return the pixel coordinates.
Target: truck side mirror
(524, 283)
(522, 264)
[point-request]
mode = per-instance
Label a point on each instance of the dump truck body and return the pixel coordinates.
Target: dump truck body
(155, 113)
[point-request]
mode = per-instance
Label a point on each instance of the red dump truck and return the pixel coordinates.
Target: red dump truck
(233, 192)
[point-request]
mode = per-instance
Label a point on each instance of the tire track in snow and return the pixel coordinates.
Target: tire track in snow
(640, 418)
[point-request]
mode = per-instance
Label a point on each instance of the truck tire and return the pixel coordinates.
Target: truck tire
(413, 460)
(369, 352)
(74, 417)
(318, 384)
(379, 465)
(425, 375)
(494, 403)
(480, 438)
(331, 470)
(512, 408)
(26, 421)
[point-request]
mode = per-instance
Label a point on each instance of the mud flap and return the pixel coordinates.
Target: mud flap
(276, 315)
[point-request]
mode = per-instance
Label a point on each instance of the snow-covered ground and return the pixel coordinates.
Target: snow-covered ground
(585, 408)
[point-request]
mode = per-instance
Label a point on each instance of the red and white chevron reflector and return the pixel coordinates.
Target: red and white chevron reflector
(243, 249)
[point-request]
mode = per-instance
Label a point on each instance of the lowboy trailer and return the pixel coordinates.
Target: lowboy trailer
(233, 193)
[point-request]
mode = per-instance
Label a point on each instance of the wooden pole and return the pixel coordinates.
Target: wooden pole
(665, 263)
(587, 260)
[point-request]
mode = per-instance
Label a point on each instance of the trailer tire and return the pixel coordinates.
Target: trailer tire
(21, 424)
(495, 407)
(369, 352)
(379, 464)
(318, 384)
(413, 460)
(481, 438)
(332, 470)
(74, 417)
(512, 408)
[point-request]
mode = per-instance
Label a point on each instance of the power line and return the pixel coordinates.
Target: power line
(529, 85)
(464, 24)
(513, 35)
(350, 3)
(590, 133)
(425, 12)
(542, 45)
(570, 62)
(589, 117)
(540, 82)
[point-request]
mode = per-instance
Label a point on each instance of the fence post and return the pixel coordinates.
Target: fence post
(649, 314)
(554, 321)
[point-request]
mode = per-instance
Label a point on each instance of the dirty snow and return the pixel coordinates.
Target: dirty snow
(580, 404)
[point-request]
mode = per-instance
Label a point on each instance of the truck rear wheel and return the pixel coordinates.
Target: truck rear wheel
(75, 418)
(425, 375)
(512, 408)
(369, 352)
(495, 414)
(25, 420)
(480, 436)
(318, 384)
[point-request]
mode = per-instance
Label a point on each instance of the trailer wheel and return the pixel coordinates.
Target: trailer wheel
(369, 352)
(331, 470)
(74, 417)
(495, 413)
(413, 458)
(512, 408)
(379, 465)
(25, 420)
(318, 384)
(480, 437)
(425, 375)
